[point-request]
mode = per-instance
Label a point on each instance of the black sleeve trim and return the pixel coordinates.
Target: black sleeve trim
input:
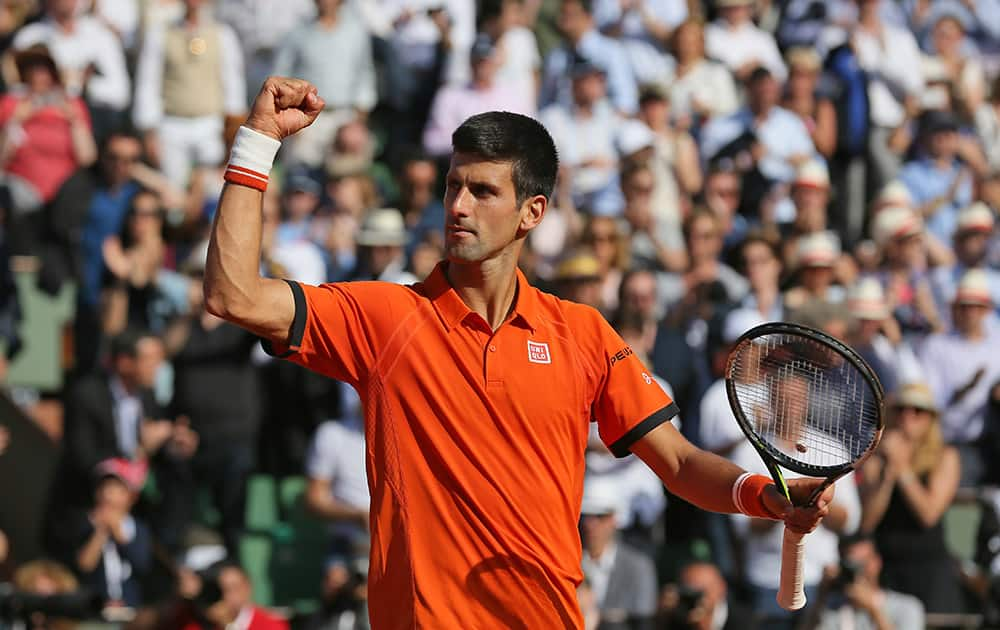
(298, 328)
(622, 445)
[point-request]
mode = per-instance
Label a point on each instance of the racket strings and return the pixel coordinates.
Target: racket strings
(804, 399)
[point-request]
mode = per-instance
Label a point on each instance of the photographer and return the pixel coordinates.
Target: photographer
(698, 602)
(850, 596)
(216, 598)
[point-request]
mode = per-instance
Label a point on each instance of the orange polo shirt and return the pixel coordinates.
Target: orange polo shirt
(475, 442)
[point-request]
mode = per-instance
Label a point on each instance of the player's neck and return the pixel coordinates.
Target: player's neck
(487, 287)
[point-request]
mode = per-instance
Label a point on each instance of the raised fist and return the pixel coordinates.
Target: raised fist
(284, 106)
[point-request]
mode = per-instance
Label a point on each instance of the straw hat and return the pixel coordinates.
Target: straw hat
(973, 288)
(895, 222)
(866, 300)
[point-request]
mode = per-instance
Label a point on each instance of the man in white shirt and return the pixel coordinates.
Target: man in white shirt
(736, 41)
(189, 77)
(89, 56)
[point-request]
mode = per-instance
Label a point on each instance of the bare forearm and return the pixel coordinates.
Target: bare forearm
(232, 274)
(90, 554)
(84, 146)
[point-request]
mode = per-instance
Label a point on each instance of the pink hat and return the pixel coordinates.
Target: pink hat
(818, 249)
(975, 218)
(130, 472)
(895, 222)
(973, 288)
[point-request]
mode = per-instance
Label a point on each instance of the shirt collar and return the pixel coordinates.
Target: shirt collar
(452, 310)
(118, 390)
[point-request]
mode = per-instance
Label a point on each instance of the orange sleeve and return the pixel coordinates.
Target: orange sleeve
(629, 402)
(332, 332)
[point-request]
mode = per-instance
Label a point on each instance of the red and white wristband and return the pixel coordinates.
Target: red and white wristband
(251, 159)
(748, 495)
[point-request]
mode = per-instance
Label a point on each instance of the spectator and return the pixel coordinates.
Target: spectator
(674, 160)
(46, 134)
(519, 62)
(700, 601)
(721, 194)
(234, 607)
(877, 336)
(962, 366)
(300, 202)
(343, 599)
(736, 41)
(453, 104)
(654, 242)
(89, 57)
(851, 596)
(338, 494)
(802, 97)
(703, 236)
(582, 40)
(815, 279)
(381, 248)
(963, 69)
(890, 56)
(811, 197)
(578, 278)
(189, 76)
(644, 28)
(111, 414)
(906, 489)
(987, 119)
(972, 233)
(762, 267)
(592, 164)
(623, 580)
(701, 89)
(604, 237)
(111, 548)
(770, 139)
(261, 26)
(217, 447)
(938, 181)
(353, 153)
(418, 199)
(899, 234)
(348, 86)
(638, 294)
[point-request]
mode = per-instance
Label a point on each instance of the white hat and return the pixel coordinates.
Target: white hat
(866, 300)
(634, 136)
(818, 249)
(973, 288)
(812, 174)
(384, 226)
(738, 321)
(895, 193)
(600, 497)
(975, 218)
(895, 222)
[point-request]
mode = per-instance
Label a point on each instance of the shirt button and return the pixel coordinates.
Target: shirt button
(493, 348)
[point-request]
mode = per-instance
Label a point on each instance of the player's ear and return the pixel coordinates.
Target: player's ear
(532, 211)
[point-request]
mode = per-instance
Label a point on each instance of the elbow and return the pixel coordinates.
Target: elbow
(216, 302)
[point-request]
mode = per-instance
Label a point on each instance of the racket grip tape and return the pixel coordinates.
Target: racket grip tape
(791, 594)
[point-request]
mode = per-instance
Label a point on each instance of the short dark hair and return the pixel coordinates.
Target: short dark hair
(514, 138)
(126, 343)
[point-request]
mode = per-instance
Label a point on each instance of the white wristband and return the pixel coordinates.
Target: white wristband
(251, 158)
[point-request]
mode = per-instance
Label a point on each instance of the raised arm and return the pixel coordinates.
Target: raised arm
(234, 288)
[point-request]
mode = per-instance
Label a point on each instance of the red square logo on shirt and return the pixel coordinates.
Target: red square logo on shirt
(538, 352)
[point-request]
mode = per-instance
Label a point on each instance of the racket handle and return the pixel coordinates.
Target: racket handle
(791, 595)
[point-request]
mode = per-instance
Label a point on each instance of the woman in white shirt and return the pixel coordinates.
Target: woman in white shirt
(701, 88)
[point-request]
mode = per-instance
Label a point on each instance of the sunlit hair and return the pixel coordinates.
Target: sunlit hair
(927, 452)
(28, 574)
(622, 257)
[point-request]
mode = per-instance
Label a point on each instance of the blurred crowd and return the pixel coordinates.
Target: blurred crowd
(724, 163)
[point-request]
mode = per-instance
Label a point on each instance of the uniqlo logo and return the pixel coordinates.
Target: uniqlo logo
(538, 352)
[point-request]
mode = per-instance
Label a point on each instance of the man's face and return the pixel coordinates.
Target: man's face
(969, 318)
(381, 256)
(763, 269)
(484, 69)
(235, 589)
(149, 356)
(482, 216)
(944, 144)
(722, 193)
(639, 294)
(810, 207)
(573, 20)
(589, 88)
(970, 247)
(120, 156)
(704, 240)
(864, 555)
(764, 94)
(418, 183)
(598, 529)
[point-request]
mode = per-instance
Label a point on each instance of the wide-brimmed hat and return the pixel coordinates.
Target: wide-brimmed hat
(866, 300)
(384, 226)
(896, 222)
(579, 265)
(818, 249)
(973, 288)
(600, 497)
(812, 174)
(975, 218)
(916, 395)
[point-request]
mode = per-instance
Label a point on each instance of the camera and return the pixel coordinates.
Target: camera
(687, 600)
(849, 572)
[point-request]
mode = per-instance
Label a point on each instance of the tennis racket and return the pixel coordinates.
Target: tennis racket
(807, 403)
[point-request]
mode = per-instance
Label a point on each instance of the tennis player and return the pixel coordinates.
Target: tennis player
(478, 389)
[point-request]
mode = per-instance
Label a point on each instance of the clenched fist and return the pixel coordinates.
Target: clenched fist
(284, 106)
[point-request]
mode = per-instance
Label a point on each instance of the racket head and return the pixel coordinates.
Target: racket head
(804, 399)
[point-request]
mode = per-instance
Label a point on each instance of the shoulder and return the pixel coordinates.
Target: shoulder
(31, 34)
(264, 620)
(633, 558)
